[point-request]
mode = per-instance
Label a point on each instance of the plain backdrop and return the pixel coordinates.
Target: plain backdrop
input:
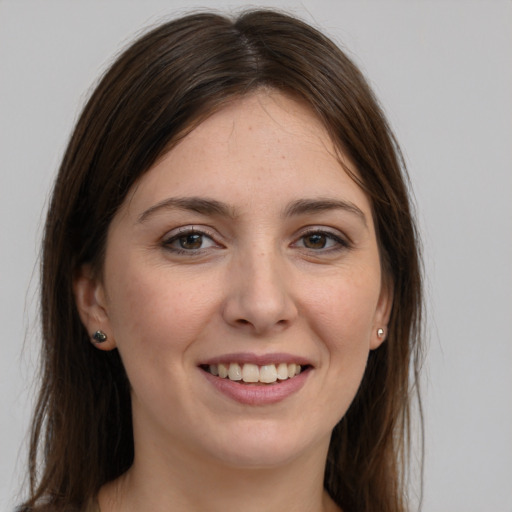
(442, 70)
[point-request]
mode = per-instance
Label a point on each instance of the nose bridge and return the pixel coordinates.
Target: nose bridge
(259, 297)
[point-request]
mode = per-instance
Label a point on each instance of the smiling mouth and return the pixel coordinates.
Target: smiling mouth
(249, 373)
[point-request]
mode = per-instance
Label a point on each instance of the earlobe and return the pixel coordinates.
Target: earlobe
(91, 303)
(382, 315)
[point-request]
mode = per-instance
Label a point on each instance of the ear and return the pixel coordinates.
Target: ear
(382, 314)
(91, 303)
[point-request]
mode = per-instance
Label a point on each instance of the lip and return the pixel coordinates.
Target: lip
(258, 359)
(258, 394)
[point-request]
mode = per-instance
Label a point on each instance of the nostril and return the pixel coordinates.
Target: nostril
(244, 322)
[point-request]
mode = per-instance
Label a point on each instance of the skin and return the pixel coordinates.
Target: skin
(257, 279)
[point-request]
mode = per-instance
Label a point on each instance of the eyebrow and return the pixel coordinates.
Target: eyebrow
(202, 205)
(304, 206)
(208, 206)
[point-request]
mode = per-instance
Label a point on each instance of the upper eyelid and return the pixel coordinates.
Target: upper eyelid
(334, 232)
(173, 236)
(215, 236)
(340, 240)
(183, 230)
(328, 234)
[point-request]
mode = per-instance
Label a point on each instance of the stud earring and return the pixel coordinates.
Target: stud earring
(99, 337)
(380, 332)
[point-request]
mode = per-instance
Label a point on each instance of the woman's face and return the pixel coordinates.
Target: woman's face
(245, 250)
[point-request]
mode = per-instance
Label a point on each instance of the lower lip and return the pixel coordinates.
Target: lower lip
(258, 394)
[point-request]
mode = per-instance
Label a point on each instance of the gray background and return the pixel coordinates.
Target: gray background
(442, 70)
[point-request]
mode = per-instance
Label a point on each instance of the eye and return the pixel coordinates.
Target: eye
(321, 240)
(189, 241)
(315, 241)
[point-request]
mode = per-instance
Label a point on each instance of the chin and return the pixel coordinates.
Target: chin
(260, 446)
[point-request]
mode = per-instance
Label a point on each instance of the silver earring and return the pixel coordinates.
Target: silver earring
(99, 337)
(380, 332)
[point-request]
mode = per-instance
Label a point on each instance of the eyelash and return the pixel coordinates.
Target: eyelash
(184, 233)
(340, 243)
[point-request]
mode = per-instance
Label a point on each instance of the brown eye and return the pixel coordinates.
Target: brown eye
(191, 241)
(315, 241)
(322, 242)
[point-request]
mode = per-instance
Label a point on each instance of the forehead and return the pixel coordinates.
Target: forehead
(263, 144)
(264, 121)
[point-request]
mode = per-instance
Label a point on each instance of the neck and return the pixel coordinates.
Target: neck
(180, 483)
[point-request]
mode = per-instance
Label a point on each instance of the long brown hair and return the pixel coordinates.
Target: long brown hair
(156, 91)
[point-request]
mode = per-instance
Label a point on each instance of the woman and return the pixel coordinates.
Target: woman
(231, 291)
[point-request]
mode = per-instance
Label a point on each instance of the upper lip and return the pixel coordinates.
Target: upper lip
(257, 359)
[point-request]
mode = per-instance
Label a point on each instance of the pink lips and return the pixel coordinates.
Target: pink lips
(258, 394)
(260, 360)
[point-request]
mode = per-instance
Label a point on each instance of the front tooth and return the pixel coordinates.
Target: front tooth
(223, 371)
(214, 369)
(235, 372)
(250, 373)
(268, 373)
(282, 371)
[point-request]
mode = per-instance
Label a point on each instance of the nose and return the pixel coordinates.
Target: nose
(259, 300)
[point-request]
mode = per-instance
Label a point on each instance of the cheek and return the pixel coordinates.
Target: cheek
(344, 311)
(154, 310)
(342, 318)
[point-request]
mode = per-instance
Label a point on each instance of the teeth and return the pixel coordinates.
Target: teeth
(253, 373)
(223, 370)
(235, 372)
(268, 373)
(282, 371)
(250, 373)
